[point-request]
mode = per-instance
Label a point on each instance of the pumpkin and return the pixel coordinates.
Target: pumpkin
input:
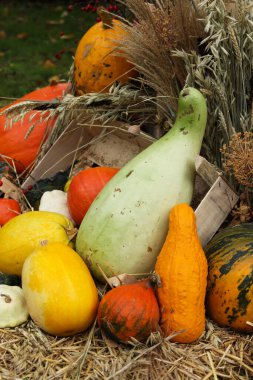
(182, 272)
(97, 63)
(22, 234)
(19, 146)
(83, 189)
(229, 299)
(61, 296)
(129, 311)
(9, 208)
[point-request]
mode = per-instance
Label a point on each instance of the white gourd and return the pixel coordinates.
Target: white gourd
(55, 201)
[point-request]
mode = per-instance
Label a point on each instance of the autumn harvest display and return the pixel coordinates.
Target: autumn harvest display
(126, 238)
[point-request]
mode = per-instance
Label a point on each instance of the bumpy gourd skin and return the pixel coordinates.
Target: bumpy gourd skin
(182, 270)
(97, 61)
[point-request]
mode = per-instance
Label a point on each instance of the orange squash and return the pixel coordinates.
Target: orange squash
(182, 270)
(60, 293)
(129, 310)
(97, 63)
(13, 141)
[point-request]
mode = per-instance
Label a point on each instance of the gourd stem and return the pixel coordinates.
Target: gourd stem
(106, 17)
(71, 233)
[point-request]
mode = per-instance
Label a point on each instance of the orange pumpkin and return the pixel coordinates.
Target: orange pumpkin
(84, 188)
(9, 208)
(13, 142)
(97, 63)
(129, 311)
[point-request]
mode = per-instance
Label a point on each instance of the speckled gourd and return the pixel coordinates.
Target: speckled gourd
(126, 225)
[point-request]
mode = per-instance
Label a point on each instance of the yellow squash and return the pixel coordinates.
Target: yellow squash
(61, 296)
(22, 234)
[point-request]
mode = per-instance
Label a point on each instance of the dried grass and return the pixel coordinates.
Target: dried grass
(162, 26)
(202, 43)
(224, 72)
(27, 353)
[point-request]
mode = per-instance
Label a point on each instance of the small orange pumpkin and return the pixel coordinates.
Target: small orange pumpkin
(129, 310)
(97, 63)
(84, 187)
(9, 208)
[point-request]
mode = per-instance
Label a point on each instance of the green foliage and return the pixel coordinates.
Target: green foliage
(37, 41)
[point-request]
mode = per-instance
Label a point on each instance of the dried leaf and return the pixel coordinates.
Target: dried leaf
(22, 36)
(55, 22)
(54, 80)
(67, 36)
(3, 34)
(48, 64)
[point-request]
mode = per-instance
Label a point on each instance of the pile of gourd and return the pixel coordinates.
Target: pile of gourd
(110, 221)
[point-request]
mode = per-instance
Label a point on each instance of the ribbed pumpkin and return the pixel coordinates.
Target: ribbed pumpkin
(229, 299)
(97, 62)
(15, 141)
(129, 310)
(60, 293)
(84, 187)
(182, 270)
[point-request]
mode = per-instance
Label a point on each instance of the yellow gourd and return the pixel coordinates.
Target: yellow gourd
(22, 234)
(60, 293)
(182, 270)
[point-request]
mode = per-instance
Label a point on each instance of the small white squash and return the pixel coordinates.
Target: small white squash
(13, 309)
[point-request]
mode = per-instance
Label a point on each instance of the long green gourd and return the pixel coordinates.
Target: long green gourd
(126, 225)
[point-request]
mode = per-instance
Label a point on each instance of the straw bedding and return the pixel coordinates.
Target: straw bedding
(28, 353)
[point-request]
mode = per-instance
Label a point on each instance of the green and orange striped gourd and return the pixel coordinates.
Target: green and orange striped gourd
(229, 299)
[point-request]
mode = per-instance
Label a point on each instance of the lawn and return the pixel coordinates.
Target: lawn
(37, 42)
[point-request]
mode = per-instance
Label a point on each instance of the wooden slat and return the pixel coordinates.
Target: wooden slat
(214, 209)
(61, 155)
(208, 172)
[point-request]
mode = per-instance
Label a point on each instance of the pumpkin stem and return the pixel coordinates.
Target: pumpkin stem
(155, 279)
(106, 17)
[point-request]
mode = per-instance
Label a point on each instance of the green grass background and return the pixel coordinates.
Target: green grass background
(30, 35)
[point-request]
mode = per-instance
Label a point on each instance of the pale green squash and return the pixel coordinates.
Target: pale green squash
(125, 227)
